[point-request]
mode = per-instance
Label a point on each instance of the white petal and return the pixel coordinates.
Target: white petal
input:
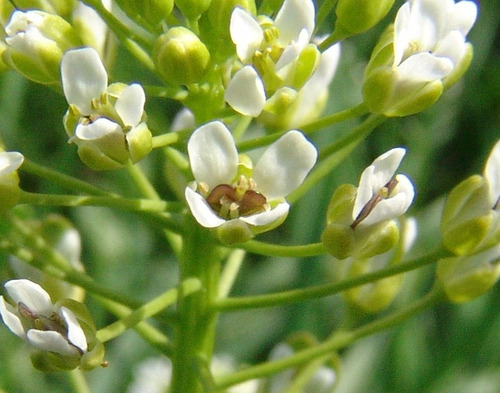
(130, 104)
(31, 294)
(10, 161)
(245, 92)
(11, 319)
(492, 173)
(48, 340)
(75, 332)
(201, 210)
(284, 165)
(425, 67)
(290, 54)
(212, 154)
(463, 17)
(183, 120)
(268, 217)
(84, 78)
(294, 16)
(246, 34)
(401, 35)
(98, 129)
(452, 47)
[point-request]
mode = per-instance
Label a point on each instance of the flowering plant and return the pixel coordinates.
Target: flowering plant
(207, 196)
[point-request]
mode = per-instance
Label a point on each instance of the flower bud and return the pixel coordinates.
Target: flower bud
(180, 57)
(153, 12)
(468, 276)
(357, 16)
(9, 180)
(192, 9)
(36, 42)
(62, 8)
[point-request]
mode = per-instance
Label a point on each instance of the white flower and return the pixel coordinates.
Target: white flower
(224, 194)
(104, 121)
(93, 30)
(9, 163)
(382, 195)
(291, 33)
(35, 319)
(429, 37)
(492, 176)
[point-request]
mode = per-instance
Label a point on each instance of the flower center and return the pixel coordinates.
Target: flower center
(233, 201)
(384, 193)
(53, 322)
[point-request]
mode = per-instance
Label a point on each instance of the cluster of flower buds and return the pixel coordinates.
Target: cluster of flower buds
(361, 221)
(470, 228)
(62, 334)
(105, 122)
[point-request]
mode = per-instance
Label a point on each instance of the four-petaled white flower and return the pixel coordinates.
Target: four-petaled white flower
(34, 318)
(382, 195)
(280, 45)
(492, 177)
(226, 191)
(429, 37)
(108, 119)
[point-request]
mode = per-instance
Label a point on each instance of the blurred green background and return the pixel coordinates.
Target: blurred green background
(453, 348)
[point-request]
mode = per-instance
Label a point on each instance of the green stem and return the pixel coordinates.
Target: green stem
(334, 154)
(318, 291)
(78, 381)
(337, 341)
(149, 333)
(165, 139)
(142, 182)
(277, 250)
(241, 126)
(308, 129)
(230, 271)
(175, 93)
(66, 181)
(148, 309)
(196, 316)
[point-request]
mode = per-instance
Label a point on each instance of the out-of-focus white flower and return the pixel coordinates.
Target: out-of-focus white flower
(106, 123)
(10, 192)
(429, 37)
(381, 195)
(227, 192)
(10, 162)
(34, 318)
(492, 177)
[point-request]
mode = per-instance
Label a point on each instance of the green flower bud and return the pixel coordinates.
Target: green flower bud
(153, 12)
(180, 57)
(305, 66)
(467, 216)
(233, 232)
(357, 16)
(36, 42)
(468, 276)
(192, 9)
(139, 142)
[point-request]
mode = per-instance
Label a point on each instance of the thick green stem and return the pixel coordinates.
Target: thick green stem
(196, 316)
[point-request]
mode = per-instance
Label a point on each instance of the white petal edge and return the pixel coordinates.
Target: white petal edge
(492, 173)
(401, 36)
(183, 120)
(98, 129)
(10, 161)
(201, 210)
(245, 92)
(464, 16)
(31, 294)
(83, 78)
(130, 104)
(246, 33)
(51, 341)
(425, 67)
(293, 16)
(284, 165)
(267, 217)
(212, 154)
(11, 319)
(75, 332)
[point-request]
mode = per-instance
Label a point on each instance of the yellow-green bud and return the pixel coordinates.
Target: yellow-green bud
(36, 42)
(468, 276)
(153, 12)
(139, 142)
(467, 216)
(357, 16)
(233, 232)
(180, 57)
(305, 66)
(192, 9)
